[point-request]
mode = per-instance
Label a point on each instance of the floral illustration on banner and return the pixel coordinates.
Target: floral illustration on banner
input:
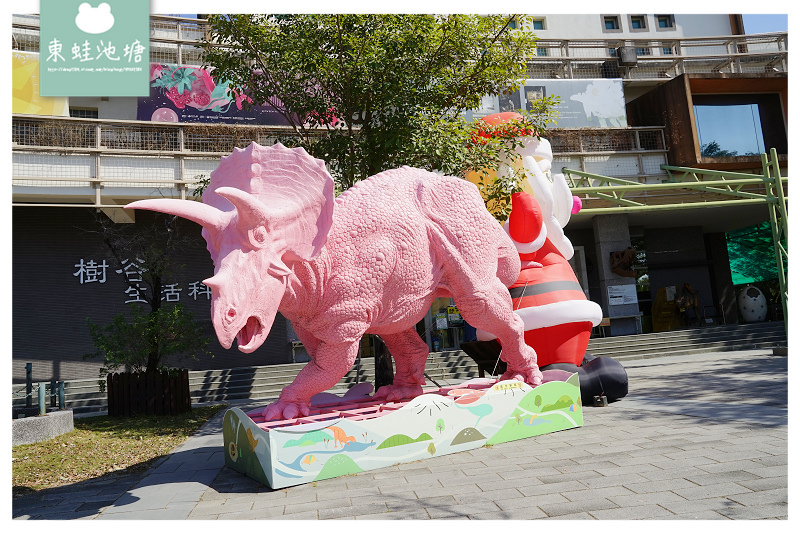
(194, 87)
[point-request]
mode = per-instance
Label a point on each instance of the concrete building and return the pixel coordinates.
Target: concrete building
(81, 158)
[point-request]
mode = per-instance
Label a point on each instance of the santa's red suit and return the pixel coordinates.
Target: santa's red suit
(558, 316)
(547, 296)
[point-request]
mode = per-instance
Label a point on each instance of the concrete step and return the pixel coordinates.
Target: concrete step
(266, 382)
(742, 334)
(657, 347)
(693, 335)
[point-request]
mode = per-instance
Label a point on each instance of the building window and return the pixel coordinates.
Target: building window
(644, 51)
(611, 23)
(541, 52)
(83, 112)
(667, 51)
(746, 124)
(638, 23)
(729, 130)
(538, 24)
(665, 22)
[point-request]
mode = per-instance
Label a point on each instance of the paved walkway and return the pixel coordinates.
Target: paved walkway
(697, 437)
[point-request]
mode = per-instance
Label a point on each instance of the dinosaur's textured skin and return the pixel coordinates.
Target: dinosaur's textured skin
(370, 261)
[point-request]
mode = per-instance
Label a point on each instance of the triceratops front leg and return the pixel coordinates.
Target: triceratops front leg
(329, 364)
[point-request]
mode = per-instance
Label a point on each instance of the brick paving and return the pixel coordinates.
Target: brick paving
(701, 437)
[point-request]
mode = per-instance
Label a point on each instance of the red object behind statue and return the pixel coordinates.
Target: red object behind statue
(557, 315)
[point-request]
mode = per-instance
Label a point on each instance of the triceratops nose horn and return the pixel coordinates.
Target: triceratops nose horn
(212, 283)
(205, 215)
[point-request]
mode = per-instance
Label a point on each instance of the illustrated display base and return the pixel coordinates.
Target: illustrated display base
(348, 435)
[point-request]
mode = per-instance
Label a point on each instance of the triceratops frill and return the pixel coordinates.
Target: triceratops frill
(370, 261)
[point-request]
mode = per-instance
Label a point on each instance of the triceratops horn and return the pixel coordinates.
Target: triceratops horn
(212, 282)
(205, 215)
(252, 212)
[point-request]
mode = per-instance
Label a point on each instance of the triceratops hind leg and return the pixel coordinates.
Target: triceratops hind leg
(409, 352)
(492, 311)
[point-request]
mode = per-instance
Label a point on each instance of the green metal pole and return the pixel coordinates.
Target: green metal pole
(778, 180)
(725, 182)
(666, 207)
(28, 384)
(61, 401)
(41, 391)
(776, 204)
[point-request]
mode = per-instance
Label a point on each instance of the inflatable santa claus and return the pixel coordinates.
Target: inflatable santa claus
(558, 316)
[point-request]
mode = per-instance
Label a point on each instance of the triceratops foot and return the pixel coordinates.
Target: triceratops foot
(393, 393)
(532, 376)
(283, 410)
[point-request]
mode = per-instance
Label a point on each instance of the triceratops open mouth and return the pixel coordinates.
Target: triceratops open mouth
(248, 337)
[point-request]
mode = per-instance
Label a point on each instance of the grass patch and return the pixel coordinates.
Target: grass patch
(102, 445)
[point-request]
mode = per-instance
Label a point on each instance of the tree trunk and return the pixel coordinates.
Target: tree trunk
(154, 355)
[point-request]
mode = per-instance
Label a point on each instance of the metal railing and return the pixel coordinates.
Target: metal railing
(635, 153)
(176, 40)
(95, 159)
(91, 159)
(173, 40)
(659, 58)
(55, 388)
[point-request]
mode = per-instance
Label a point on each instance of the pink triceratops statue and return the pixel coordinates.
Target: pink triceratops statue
(370, 261)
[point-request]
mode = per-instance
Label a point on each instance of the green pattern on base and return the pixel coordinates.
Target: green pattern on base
(460, 421)
(400, 440)
(338, 465)
(538, 414)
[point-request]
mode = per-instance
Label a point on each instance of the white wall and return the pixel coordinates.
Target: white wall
(591, 26)
(117, 108)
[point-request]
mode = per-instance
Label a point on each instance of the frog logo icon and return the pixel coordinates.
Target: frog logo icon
(94, 20)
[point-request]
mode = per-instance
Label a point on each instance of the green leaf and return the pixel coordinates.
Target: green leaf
(130, 338)
(346, 65)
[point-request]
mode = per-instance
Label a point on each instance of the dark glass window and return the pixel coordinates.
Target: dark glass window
(729, 130)
(665, 21)
(611, 23)
(82, 112)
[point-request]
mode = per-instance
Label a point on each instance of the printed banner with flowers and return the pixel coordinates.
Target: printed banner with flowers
(180, 93)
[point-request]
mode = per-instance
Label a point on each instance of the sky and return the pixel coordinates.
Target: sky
(765, 23)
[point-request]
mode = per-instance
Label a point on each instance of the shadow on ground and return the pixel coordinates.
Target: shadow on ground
(746, 390)
(76, 500)
(761, 380)
(87, 498)
(736, 390)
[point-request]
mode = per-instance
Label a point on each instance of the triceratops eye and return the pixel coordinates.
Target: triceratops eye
(258, 236)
